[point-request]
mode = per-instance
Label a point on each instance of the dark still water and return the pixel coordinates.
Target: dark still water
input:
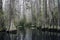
(36, 36)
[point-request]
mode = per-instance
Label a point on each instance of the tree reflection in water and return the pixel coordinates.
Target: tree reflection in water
(35, 36)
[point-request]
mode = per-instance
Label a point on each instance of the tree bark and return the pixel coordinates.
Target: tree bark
(58, 12)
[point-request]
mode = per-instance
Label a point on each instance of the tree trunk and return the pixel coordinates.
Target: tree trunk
(59, 12)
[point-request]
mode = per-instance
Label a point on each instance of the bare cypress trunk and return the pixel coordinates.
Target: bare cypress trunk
(49, 10)
(7, 7)
(58, 12)
(45, 9)
(28, 35)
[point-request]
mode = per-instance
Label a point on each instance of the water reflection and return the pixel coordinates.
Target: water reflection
(4, 36)
(36, 36)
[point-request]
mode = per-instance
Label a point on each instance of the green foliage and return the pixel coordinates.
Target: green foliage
(1, 13)
(20, 25)
(1, 21)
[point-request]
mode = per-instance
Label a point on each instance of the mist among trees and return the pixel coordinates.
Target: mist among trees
(29, 17)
